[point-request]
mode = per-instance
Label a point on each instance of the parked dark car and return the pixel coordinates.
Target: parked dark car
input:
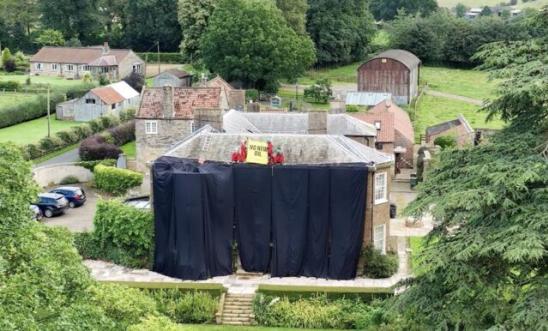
(141, 202)
(51, 204)
(75, 195)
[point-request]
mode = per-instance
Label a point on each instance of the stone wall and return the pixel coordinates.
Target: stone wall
(213, 117)
(152, 146)
(125, 67)
(402, 141)
(54, 174)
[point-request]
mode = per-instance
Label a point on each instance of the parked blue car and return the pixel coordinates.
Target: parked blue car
(75, 195)
(51, 204)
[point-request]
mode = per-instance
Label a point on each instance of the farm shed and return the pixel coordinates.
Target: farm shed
(394, 71)
(110, 99)
(172, 77)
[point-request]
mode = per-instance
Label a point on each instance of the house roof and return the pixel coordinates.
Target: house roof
(176, 72)
(408, 59)
(92, 56)
(219, 82)
(115, 93)
(296, 123)
(442, 127)
(184, 101)
(366, 98)
(297, 148)
(392, 118)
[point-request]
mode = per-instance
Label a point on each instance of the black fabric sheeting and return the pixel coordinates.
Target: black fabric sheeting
(289, 220)
(252, 188)
(347, 214)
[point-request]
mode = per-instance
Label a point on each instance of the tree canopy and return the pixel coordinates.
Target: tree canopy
(485, 264)
(341, 30)
(388, 9)
(294, 12)
(249, 41)
(193, 18)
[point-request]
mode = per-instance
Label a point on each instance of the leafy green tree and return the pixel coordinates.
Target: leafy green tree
(294, 12)
(150, 21)
(73, 18)
(341, 30)
(486, 11)
(193, 18)
(485, 264)
(50, 37)
(319, 92)
(460, 10)
(6, 55)
(388, 9)
(418, 35)
(249, 41)
(20, 12)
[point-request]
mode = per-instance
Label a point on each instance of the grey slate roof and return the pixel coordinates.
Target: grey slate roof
(297, 148)
(408, 59)
(294, 123)
(442, 127)
(366, 98)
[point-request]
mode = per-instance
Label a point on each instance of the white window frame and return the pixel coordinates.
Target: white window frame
(54, 66)
(151, 127)
(378, 195)
(379, 238)
(70, 67)
(38, 66)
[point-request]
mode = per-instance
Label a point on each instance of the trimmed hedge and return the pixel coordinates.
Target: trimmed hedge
(122, 234)
(97, 147)
(124, 133)
(90, 165)
(152, 57)
(28, 109)
(378, 265)
(116, 181)
(10, 85)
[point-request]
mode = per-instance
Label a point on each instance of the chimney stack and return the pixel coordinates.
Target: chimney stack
(106, 48)
(317, 122)
(167, 102)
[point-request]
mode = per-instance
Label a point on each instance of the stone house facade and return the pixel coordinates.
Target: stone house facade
(73, 62)
(168, 115)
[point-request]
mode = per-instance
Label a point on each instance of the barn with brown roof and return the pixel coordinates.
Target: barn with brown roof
(73, 62)
(395, 133)
(395, 71)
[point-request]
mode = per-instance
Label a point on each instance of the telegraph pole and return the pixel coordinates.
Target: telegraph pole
(158, 44)
(49, 113)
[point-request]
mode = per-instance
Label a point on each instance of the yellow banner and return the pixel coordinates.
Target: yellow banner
(257, 152)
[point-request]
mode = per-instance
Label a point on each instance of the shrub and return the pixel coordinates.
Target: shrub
(127, 114)
(96, 125)
(10, 85)
(252, 94)
(445, 141)
(320, 92)
(378, 265)
(152, 322)
(109, 121)
(10, 65)
(103, 80)
(352, 109)
(193, 307)
(68, 137)
(175, 58)
(49, 144)
(33, 151)
(90, 165)
(69, 180)
(97, 148)
(136, 81)
(116, 181)
(123, 133)
(82, 131)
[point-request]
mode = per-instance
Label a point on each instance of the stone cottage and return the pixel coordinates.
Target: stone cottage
(73, 62)
(110, 99)
(235, 98)
(169, 114)
(458, 128)
(172, 77)
(395, 131)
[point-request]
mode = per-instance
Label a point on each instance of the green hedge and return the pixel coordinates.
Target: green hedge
(190, 307)
(115, 180)
(152, 57)
(317, 312)
(27, 110)
(122, 234)
(379, 265)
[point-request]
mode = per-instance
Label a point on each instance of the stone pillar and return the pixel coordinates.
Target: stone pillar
(213, 117)
(317, 122)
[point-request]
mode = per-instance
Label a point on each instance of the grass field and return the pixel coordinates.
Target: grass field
(344, 74)
(465, 82)
(481, 3)
(32, 131)
(54, 82)
(433, 110)
(9, 98)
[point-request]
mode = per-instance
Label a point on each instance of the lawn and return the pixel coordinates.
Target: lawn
(434, 110)
(288, 93)
(130, 150)
(32, 131)
(56, 83)
(344, 74)
(465, 82)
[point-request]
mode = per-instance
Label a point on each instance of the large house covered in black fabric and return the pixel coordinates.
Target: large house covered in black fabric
(329, 188)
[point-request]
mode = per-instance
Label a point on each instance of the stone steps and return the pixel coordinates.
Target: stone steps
(238, 309)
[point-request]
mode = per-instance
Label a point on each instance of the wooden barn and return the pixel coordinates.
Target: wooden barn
(394, 71)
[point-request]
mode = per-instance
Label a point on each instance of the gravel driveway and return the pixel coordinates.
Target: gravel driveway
(77, 219)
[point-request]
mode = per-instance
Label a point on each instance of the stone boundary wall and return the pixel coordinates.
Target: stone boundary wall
(54, 174)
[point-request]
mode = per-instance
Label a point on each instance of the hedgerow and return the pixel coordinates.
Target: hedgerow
(115, 180)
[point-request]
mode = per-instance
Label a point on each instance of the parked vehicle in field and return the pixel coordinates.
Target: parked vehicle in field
(36, 212)
(52, 204)
(141, 202)
(75, 195)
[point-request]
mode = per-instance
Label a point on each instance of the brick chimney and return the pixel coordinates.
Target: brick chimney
(211, 116)
(317, 122)
(167, 102)
(106, 48)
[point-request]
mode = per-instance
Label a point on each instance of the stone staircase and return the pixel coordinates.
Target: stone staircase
(237, 309)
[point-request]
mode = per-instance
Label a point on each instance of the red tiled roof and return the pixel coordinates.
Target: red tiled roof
(401, 120)
(185, 101)
(108, 95)
(386, 134)
(77, 55)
